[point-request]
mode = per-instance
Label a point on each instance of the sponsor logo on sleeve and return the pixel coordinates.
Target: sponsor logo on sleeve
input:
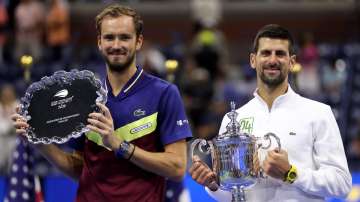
(182, 122)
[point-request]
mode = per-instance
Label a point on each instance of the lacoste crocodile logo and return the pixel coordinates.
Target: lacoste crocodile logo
(139, 112)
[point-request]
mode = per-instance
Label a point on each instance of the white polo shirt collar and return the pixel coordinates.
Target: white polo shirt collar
(279, 101)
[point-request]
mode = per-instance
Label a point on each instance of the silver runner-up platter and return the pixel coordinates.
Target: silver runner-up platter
(57, 107)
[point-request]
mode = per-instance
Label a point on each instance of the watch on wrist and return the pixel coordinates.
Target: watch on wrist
(124, 150)
(291, 175)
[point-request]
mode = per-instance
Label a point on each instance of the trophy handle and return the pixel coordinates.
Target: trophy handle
(201, 143)
(267, 137)
(208, 150)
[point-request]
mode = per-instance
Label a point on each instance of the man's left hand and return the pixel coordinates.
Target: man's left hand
(103, 124)
(276, 164)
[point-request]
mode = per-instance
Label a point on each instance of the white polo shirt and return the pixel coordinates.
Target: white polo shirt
(309, 133)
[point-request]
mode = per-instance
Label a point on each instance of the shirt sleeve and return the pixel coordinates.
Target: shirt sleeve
(77, 143)
(331, 178)
(173, 123)
(220, 195)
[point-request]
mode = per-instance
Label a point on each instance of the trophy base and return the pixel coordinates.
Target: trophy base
(229, 184)
(238, 194)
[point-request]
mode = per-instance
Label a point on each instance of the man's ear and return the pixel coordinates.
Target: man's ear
(252, 60)
(292, 61)
(99, 42)
(139, 42)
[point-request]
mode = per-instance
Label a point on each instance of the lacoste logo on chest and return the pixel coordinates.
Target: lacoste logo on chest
(139, 112)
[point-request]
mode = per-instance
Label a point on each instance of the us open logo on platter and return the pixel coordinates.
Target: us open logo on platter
(62, 103)
(62, 93)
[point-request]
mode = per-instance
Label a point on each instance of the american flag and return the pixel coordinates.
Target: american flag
(22, 183)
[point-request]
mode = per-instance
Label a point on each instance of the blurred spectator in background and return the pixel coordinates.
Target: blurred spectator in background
(29, 23)
(8, 103)
(206, 68)
(197, 94)
(206, 72)
(309, 54)
(152, 60)
(333, 77)
(355, 145)
(58, 28)
(3, 26)
(308, 78)
(209, 46)
(209, 50)
(354, 151)
(208, 13)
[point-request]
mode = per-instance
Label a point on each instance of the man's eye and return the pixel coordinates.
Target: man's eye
(125, 37)
(281, 53)
(265, 53)
(108, 37)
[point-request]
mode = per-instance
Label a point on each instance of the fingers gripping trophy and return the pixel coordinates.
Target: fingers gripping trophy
(235, 156)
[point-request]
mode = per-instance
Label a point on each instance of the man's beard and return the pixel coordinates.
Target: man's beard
(272, 81)
(120, 67)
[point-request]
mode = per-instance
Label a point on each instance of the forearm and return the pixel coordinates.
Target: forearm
(69, 163)
(170, 164)
(325, 182)
(329, 175)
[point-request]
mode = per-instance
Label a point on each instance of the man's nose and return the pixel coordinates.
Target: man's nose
(117, 43)
(273, 58)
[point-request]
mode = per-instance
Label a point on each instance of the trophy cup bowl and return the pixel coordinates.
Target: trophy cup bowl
(235, 157)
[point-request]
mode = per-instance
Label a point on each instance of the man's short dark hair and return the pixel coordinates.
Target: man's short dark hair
(274, 31)
(116, 10)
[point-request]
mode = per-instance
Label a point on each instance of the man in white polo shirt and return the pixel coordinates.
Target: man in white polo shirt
(311, 164)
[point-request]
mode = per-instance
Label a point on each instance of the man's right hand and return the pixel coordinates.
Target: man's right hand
(20, 124)
(202, 174)
(71, 164)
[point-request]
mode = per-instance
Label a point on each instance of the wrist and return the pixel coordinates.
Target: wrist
(125, 150)
(291, 175)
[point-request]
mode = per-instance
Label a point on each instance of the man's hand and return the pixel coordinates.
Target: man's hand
(20, 124)
(255, 169)
(276, 164)
(202, 174)
(103, 124)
